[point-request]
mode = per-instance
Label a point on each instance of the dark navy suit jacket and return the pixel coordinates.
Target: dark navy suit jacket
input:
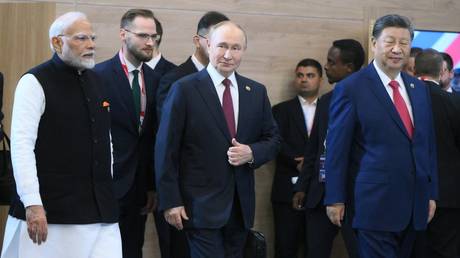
(132, 148)
(294, 138)
(191, 159)
(370, 160)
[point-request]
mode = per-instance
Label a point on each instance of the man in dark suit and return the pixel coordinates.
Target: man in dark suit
(447, 72)
(131, 86)
(295, 121)
(158, 63)
(345, 57)
(443, 232)
(217, 127)
(173, 243)
(197, 62)
(381, 153)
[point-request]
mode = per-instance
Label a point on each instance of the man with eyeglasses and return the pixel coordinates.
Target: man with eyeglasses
(194, 63)
(61, 154)
(131, 84)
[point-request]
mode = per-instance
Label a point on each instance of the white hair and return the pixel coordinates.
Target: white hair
(62, 23)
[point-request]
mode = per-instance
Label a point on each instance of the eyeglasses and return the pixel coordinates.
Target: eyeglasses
(145, 36)
(80, 37)
(201, 36)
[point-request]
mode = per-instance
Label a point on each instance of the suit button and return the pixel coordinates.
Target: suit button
(93, 119)
(96, 163)
(88, 100)
(95, 141)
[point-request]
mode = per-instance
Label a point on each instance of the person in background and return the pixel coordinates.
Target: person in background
(196, 62)
(158, 63)
(409, 65)
(131, 86)
(443, 233)
(344, 57)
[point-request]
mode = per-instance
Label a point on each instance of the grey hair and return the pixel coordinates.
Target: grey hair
(62, 23)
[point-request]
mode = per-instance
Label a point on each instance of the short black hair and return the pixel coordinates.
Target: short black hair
(450, 63)
(428, 62)
(414, 51)
(209, 19)
(351, 51)
(311, 62)
(392, 20)
(159, 30)
(131, 14)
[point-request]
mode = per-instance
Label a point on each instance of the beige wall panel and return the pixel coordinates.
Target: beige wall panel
(315, 8)
(22, 46)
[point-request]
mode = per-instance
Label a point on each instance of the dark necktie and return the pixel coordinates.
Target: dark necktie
(136, 90)
(227, 105)
(401, 107)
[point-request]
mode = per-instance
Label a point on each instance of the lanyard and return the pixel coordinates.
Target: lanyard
(142, 84)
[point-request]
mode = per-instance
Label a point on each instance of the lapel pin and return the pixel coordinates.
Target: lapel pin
(412, 85)
(248, 88)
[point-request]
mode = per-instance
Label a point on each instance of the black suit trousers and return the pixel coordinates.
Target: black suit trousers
(442, 236)
(173, 242)
(289, 230)
(225, 242)
(321, 234)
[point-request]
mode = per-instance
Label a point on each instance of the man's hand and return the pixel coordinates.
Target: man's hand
(175, 215)
(335, 213)
(431, 210)
(150, 205)
(37, 226)
(239, 154)
(299, 164)
(297, 200)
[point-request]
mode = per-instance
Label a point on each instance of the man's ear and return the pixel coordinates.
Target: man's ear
(196, 41)
(350, 67)
(57, 44)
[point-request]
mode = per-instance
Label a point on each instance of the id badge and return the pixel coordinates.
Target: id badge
(322, 168)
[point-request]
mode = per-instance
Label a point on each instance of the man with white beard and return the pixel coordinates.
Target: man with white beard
(61, 154)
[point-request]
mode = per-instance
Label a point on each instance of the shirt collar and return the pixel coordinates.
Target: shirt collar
(384, 77)
(129, 66)
(217, 78)
(154, 61)
(199, 66)
(303, 101)
(428, 80)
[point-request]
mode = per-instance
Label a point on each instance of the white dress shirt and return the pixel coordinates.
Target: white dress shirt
(29, 106)
(402, 90)
(199, 66)
(217, 79)
(154, 61)
(309, 110)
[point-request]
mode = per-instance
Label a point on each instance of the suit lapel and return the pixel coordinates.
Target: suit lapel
(124, 88)
(244, 95)
(412, 91)
(207, 91)
(298, 116)
(380, 92)
(148, 81)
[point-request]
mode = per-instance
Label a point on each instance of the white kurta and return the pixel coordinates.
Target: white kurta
(91, 240)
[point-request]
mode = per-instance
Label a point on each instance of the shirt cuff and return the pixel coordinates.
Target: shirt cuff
(31, 199)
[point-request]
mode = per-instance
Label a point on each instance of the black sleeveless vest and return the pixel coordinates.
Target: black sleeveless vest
(72, 150)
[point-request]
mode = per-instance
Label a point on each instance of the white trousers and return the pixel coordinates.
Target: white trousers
(63, 241)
